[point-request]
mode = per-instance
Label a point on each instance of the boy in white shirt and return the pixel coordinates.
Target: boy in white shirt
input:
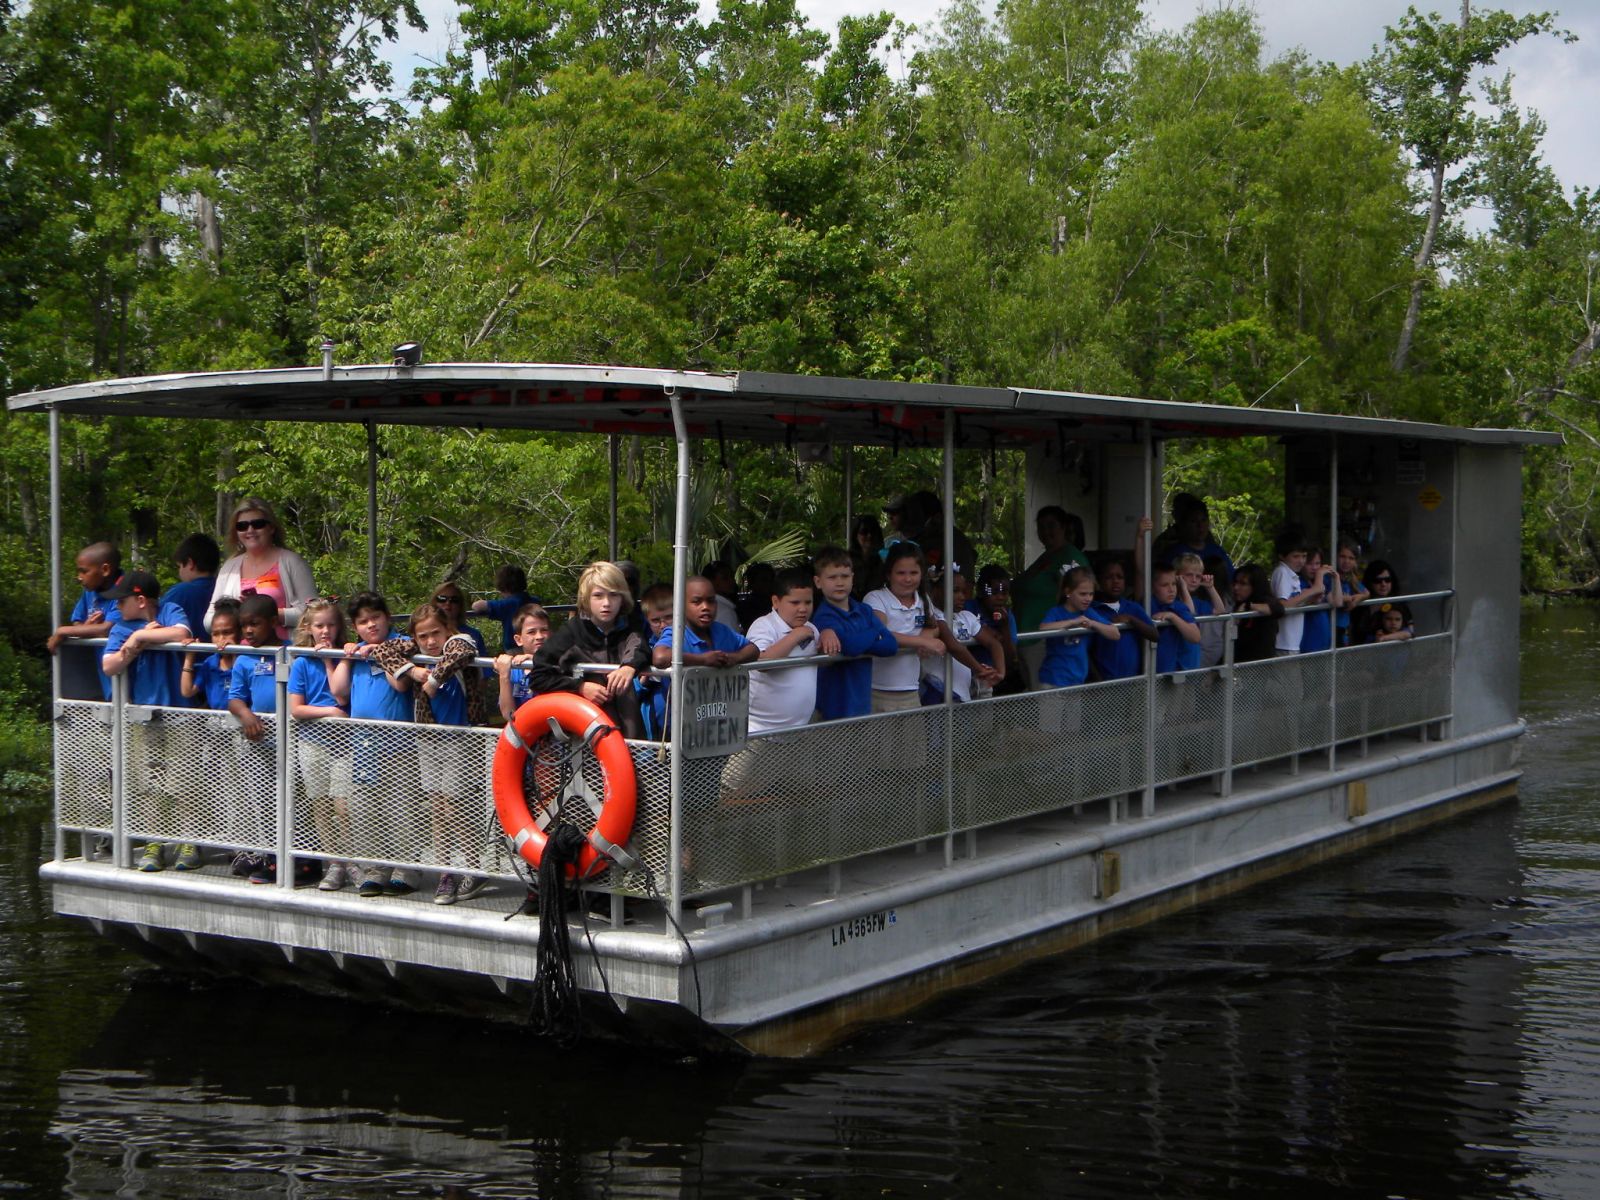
(1290, 547)
(779, 699)
(785, 698)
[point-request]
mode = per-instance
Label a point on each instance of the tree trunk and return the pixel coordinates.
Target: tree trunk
(1424, 258)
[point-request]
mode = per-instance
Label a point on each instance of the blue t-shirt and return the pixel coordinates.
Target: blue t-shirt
(255, 682)
(372, 697)
(1066, 658)
(1122, 658)
(1317, 632)
(1171, 648)
(308, 679)
(153, 677)
(722, 638)
(845, 689)
(980, 652)
(504, 609)
(194, 598)
(521, 680)
(1190, 656)
(212, 682)
(87, 603)
(450, 702)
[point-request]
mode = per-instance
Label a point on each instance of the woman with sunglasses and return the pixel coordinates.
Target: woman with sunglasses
(261, 565)
(1382, 582)
(449, 597)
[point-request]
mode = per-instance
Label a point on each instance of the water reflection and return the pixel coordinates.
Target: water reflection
(1418, 1022)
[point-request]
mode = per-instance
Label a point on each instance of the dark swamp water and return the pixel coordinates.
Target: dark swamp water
(1423, 1021)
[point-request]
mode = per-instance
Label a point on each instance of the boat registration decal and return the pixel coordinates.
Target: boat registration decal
(861, 927)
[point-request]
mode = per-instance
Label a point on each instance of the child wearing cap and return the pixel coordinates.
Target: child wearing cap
(143, 621)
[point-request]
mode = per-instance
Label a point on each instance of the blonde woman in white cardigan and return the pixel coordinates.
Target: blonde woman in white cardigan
(261, 565)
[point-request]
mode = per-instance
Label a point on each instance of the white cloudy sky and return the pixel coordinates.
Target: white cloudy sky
(1552, 78)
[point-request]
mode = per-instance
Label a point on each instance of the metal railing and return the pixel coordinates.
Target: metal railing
(402, 795)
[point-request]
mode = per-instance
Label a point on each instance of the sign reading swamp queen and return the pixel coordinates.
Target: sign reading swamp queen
(716, 713)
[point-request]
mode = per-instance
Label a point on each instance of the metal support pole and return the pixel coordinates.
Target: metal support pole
(1147, 805)
(1333, 614)
(680, 581)
(120, 854)
(849, 496)
(615, 448)
(1229, 635)
(372, 506)
(285, 792)
(55, 622)
(949, 488)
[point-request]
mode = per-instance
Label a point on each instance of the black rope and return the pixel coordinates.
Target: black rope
(555, 1008)
(555, 1011)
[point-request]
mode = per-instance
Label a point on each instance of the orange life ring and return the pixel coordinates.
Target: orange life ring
(580, 718)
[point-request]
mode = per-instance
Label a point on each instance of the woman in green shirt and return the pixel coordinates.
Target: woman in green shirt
(1033, 592)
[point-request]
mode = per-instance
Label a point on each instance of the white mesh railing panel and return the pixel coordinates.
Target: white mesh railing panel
(1039, 751)
(1189, 720)
(1393, 685)
(192, 776)
(420, 796)
(1280, 707)
(83, 764)
(813, 795)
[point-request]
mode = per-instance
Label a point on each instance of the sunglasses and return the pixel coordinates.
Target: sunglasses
(446, 598)
(1383, 579)
(252, 523)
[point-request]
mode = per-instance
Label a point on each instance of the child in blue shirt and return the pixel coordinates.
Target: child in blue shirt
(1178, 637)
(512, 584)
(144, 620)
(1197, 588)
(152, 679)
(707, 642)
(205, 678)
(319, 691)
(656, 605)
(845, 626)
(253, 692)
(1317, 633)
(383, 819)
(1119, 658)
(530, 630)
(197, 557)
(99, 565)
(445, 694)
(1066, 660)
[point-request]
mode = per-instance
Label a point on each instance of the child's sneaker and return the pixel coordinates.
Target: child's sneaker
(469, 886)
(150, 860)
(402, 882)
(445, 892)
(246, 862)
(372, 883)
(101, 851)
(332, 878)
(188, 858)
(267, 872)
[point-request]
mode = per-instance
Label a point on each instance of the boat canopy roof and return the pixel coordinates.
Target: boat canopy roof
(746, 405)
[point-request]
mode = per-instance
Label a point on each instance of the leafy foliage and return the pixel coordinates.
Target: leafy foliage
(1052, 195)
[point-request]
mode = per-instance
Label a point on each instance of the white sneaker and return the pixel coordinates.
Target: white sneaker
(333, 878)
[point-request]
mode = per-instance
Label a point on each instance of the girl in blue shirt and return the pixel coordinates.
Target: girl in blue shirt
(1066, 661)
(319, 690)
